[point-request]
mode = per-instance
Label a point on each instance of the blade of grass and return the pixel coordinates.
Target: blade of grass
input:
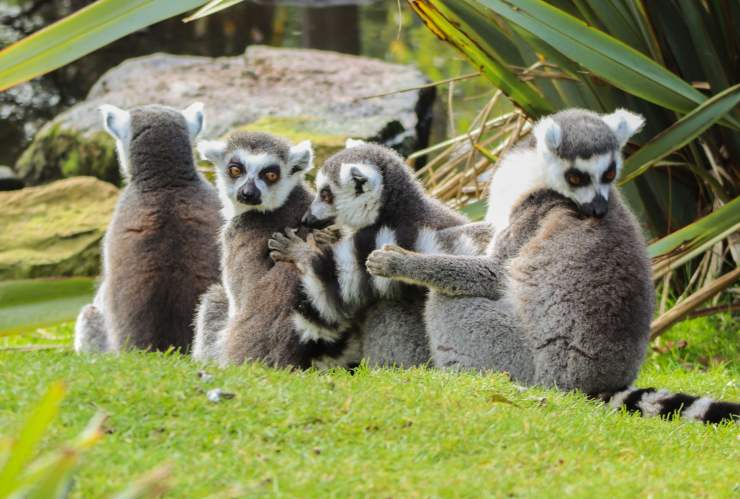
(24, 448)
(49, 476)
(152, 484)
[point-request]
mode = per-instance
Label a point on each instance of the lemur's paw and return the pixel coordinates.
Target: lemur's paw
(386, 262)
(394, 248)
(289, 247)
(325, 237)
(279, 245)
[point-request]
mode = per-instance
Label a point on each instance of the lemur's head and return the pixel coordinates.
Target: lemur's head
(582, 154)
(256, 171)
(153, 132)
(353, 185)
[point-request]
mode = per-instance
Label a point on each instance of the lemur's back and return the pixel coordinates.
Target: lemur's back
(161, 254)
(161, 248)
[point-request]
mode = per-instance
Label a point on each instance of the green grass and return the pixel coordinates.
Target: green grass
(395, 433)
(26, 305)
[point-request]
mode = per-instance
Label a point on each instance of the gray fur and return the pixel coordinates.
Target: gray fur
(403, 198)
(90, 332)
(260, 327)
(563, 297)
(394, 334)
(559, 299)
(249, 317)
(160, 251)
(591, 279)
(398, 330)
(392, 325)
(587, 330)
(210, 320)
(257, 142)
(584, 134)
(452, 275)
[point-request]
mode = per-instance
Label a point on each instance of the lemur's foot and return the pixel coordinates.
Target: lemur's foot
(289, 247)
(388, 261)
(325, 237)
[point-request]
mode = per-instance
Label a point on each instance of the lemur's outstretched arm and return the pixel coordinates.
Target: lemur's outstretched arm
(451, 275)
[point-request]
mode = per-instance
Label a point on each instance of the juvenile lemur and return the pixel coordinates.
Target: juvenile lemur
(563, 296)
(374, 199)
(160, 251)
(249, 315)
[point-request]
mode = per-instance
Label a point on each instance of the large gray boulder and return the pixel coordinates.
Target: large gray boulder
(297, 93)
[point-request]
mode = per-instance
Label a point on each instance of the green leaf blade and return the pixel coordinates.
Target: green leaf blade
(602, 54)
(719, 222)
(681, 133)
(81, 33)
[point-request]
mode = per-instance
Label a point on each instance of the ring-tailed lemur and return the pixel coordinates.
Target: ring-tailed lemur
(374, 199)
(160, 251)
(563, 296)
(249, 315)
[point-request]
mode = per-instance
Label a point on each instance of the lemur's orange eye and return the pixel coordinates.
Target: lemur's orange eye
(577, 178)
(610, 174)
(234, 170)
(326, 195)
(271, 177)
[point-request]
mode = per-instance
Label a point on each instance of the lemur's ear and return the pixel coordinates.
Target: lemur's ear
(624, 124)
(548, 133)
(116, 121)
(195, 118)
(354, 143)
(212, 150)
(359, 179)
(364, 178)
(300, 158)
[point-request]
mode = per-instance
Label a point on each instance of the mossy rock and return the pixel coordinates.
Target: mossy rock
(58, 152)
(296, 93)
(55, 229)
(299, 128)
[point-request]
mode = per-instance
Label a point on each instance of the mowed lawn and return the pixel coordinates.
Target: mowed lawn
(379, 432)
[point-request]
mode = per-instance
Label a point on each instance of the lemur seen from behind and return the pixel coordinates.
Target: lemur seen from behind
(160, 251)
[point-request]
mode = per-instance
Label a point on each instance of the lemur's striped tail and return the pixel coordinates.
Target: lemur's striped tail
(651, 402)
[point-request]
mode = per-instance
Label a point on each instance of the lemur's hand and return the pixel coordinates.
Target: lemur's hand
(289, 247)
(325, 237)
(388, 261)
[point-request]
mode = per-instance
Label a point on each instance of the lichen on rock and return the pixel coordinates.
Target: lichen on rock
(55, 229)
(59, 152)
(300, 128)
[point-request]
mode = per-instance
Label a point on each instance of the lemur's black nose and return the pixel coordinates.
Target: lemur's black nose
(249, 194)
(596, 207)
(312, 222)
